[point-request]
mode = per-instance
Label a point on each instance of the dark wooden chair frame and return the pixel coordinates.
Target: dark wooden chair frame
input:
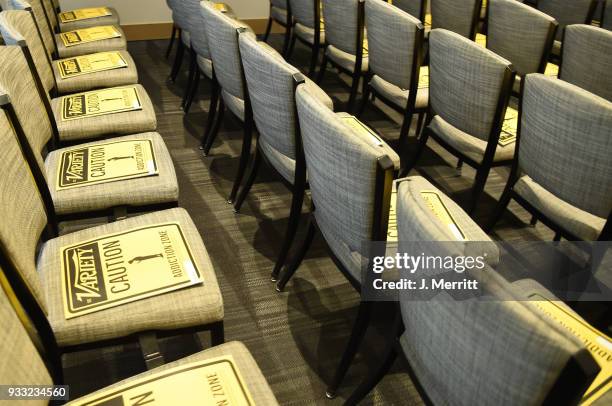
(384, 183)
(316, 45)
(357, 73)
(288, 27)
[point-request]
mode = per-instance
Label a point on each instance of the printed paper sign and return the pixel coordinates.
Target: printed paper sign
(106, 162)
(361, 128)
(424, 77)
(125, 267)
(100, 102)
(84, 14)
(222, 7)
(210, 382)
(551, 70)
(92, 34)
(82, 65)
(392, 234)
(598, 344)
(509, 128)
(438, 208)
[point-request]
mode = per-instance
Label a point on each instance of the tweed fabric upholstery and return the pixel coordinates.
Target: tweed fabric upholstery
(17, 80)
(587, 59)
(129, 122)
(412, 7)
(180, 14)
(397, 95)
(247, 366)
(308, 34)
(197, 32)
(161, 188)
(512, 23)
(20, 362)
(206, 66)
(112, 19)
(223, 43)
(454, 15)
(341, 24)
(303, 11)
(279, 14)
(388, 27)
(345, 59)
(341, 170)
(282, 4)
(566, 12)
(186, 38)
(22, 210)
(465, 82)
(607, 16)
(234, 104)
(565, 143)
(39, 16)
(113, 44)
(192, 306)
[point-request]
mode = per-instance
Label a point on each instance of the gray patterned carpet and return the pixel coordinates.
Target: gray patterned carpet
(297, 336)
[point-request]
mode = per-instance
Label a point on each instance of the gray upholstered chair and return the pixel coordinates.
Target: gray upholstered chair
(222, 35)
(53, 10)
(566, 13)
(587, 59)
(469, 92)
(36, 274)
(522, 35)
(416, 8)
(279, 13)
(175, 28)
(459, 16)
(564, 180)
(501, 332)
(307, 28)
(180, 18)
(393, 74)
(606, 15)
(350, 175)
(271, 87)
(35, 129)
(17, 25)
(344, 36)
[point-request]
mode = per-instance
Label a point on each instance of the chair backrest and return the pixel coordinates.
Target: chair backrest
(466, 83)
(20, 362)
(17, 26)
(21, 205)
(415, 8)
(195, 26)
(221, 31)
(342, 171)
(568, 12)
(565, 144)
(387, 26)
(180, 14)
(342, 24)
(304, 11)
(42, 22)
(460, 16)
(521, 34)
(606, 20)
(282, 4)
(587, 59)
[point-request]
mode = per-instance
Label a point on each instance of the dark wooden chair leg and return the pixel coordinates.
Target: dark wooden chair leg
(194, 91)
(534, 221)
(171, 42)
(403, 138)
(244, 158)
(249, 182)
(419, 126)
(193, 68)
(217, 334)
(212, 113)
(481, 178)
(268, 29)
(364, 100)
(178, 61)
(297, 260)
(417, 154)
(287, 39)
(313, 60)
(501, 207)
(357, 334)
(354, 91)
(373, 378)
(215, 130)
(322, 69)
(290, 48)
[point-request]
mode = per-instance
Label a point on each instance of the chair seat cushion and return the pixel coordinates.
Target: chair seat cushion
(556, 48)
(130, 122)
(186, 38)
(397, 95)
(278, 14)
(350, 258)
(193, 306)
(96, 80)
(234, 104)
(206, 66)
(112, 19)
(113, 44)
(467, 144)
(579, 222)
(244, 362)
(161, 188)
(344, 59)
(281, 162)
(307, 34)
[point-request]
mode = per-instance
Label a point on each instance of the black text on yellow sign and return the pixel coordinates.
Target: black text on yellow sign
(100, 102)
(82, 65)
(92, 34)
(434, 202)
(598, 344)
(125, 267)
(509, 128)
(106, 162)
(84, 14)
(216, 381)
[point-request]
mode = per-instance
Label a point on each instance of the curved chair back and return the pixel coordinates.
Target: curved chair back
(460, 16)
(606, 19)
(587, 59)
(465, 83)
(180, 13)
(521, 34)
(415, 8)
(196, 28)
(387, 26)
(42, 24)
(568, 12)
(282, 4)
(341, 24)
(565, 144)
(304, 11)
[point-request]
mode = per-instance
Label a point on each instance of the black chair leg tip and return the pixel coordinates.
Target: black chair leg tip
(230, 201)
(330, 394)
(273, 278)
(279, 288)
(236, 211)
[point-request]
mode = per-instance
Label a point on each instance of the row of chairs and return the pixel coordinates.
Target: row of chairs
(34, 135)
(349, 172)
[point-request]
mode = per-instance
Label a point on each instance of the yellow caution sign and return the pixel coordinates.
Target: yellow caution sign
(100, 103)
(84, 14)
(83, 65)
(106, 162)
(552, 70)
(357, 126)
(438, 208)
(92, 34)
(598, 344)
(222, 7)
(216, 381)
(509, 128)
(424, 77)
(119, 268)
(392, 233)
